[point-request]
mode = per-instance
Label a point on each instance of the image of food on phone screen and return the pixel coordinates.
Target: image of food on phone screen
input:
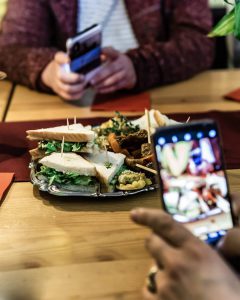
(194, 184)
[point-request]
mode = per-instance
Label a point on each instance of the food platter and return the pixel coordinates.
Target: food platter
(43, 186)
(113, 159)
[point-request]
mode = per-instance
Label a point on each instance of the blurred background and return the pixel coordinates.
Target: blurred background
(227, 49)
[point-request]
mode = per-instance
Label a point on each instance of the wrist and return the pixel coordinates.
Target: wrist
(46, 77)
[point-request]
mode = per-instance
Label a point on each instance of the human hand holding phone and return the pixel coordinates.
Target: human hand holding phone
(115, 74)
(68, 85)
(187, 268)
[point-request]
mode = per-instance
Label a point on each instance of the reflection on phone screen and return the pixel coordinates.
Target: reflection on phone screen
(195, 189)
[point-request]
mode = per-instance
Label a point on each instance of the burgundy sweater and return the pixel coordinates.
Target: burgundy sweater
(171, 35)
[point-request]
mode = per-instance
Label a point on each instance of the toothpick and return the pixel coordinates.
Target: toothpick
(75, 120)
(68, 124)
(188, 120)
(62, 146)
(106, 152)
(147, 169)
(148, 125)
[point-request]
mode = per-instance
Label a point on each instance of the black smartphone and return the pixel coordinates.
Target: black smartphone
(84, 50)
(193, 181)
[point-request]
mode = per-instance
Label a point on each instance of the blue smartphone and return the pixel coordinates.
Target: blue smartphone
(193, 181)
(84, 50)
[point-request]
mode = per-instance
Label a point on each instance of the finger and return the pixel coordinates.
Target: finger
(110, 52)
(236, 205)
(70, 78)
(229, 246)
(112, 80)
(61, 58)
(163, 225)
(118, 86)
(71, 88)
(160, 250)
(107, 71)
(70, 97)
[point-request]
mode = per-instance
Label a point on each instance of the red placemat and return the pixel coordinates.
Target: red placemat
(233, 96)
(5, 182)
(14, 147)
(122, 102)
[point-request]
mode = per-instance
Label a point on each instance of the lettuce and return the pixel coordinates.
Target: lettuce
(55, 146)
(68, 178)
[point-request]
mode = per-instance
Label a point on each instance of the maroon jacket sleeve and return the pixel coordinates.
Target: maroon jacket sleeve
(25, 50)
(186, 52)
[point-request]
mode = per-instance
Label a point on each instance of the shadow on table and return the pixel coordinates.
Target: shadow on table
(148, 199)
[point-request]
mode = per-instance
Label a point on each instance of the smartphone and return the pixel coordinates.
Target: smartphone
(84, 50)
(193, 181)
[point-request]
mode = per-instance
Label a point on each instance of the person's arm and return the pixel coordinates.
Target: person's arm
(187, 52)
(25, 42)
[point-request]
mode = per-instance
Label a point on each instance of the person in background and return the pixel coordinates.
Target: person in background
(187, 268)
(153, 42)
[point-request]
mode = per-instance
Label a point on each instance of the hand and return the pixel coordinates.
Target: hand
(229, 246)
(117, 73)
(69, 86)
(188, 268)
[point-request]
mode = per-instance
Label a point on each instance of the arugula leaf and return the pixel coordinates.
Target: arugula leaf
(115, 178)
(55, 146)
(68, 178)
(120, 125)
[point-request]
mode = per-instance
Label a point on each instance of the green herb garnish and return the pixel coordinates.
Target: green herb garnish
(68, 178)
(55, 146)
(108, 164)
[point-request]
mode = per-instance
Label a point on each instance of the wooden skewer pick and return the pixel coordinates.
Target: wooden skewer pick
(62, 146)
(106, 152)
(148, 125)
(68, 124)
(147, 169)
(75, 120)
(188, 120)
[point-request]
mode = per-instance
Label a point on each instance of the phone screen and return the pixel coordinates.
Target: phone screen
(194, 184)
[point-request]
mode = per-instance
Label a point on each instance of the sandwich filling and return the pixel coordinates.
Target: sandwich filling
(55, 146)
(69, 178)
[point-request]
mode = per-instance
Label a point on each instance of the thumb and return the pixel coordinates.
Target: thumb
(110, 53)
(61, 58)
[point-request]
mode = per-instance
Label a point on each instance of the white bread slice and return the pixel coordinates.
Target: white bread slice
(157, 119)
(101, 160)
(73, 133)
(69, 162)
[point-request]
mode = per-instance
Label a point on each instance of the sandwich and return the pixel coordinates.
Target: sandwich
(77, 139)
(157, 119)
(109, 166)
(69, 171)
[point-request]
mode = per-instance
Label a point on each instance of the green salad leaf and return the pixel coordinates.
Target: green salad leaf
(115, 178)
(67, 178)
(120, 125)
(55, 146)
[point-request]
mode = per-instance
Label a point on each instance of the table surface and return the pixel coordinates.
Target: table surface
(59, 248)
(5, 90)
(202, 93)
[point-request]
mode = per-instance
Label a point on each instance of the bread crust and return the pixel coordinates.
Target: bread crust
(57, 136)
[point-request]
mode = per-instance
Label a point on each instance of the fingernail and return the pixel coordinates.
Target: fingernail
(135, 213)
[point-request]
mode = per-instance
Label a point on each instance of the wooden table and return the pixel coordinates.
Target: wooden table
(56, 248)
(201, 93)
(73, 249)
(5, 90)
